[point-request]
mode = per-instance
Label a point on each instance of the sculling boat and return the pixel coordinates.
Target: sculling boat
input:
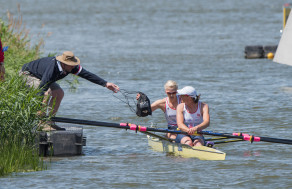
(163, 144)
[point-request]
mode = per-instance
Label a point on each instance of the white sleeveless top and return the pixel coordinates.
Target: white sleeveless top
(170, 113)
(193, 119)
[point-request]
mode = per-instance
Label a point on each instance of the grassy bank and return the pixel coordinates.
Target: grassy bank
(18, 127)
(18, 104)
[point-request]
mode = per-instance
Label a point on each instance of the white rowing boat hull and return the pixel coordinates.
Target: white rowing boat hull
(201, 152)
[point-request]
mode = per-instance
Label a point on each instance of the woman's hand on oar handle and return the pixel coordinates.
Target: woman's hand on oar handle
(192, 131)
(113, 87)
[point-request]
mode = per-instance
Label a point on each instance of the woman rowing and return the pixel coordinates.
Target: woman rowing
(168, 105)
(192, 116)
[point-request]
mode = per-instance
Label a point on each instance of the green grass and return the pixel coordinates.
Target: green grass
(15, 157)
(19, 105)
(18, 127)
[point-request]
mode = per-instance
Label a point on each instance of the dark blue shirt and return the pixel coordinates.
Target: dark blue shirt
(49, 70)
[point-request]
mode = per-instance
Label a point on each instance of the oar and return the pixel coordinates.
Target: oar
(216, 138)
(114, 125)
(136, 128)
(228, 141)
(118, 125)
(219, 140)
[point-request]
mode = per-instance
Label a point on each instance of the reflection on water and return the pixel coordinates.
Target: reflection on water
(251, 153)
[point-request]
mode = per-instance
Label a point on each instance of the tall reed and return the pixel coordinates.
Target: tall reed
(18, 104)
(18, 126)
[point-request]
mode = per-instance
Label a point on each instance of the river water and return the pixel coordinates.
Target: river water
(139, 45)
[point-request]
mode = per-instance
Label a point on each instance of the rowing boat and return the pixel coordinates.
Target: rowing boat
(162, 144)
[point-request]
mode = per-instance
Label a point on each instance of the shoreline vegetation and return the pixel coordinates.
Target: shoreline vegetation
(18, 104)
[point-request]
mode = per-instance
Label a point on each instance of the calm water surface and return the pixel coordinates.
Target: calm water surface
(139, 45)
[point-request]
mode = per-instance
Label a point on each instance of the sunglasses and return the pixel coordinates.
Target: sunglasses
(171, 93)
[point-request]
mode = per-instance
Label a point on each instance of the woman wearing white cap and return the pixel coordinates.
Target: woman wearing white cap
(192, 116)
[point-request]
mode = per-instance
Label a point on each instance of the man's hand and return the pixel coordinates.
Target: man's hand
(112, 87)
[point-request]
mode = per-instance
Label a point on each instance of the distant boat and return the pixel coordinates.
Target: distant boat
(284, 51)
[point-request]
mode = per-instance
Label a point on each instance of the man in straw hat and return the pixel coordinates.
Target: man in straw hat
(44, 72)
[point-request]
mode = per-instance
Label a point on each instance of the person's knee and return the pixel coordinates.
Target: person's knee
(198, 142)
(187, 141)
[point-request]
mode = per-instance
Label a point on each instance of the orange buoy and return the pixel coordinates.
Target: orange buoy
(270, 55)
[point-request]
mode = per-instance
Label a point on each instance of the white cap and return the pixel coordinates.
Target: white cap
(188, 90)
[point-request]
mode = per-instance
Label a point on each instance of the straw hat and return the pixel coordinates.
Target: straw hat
(68, 58)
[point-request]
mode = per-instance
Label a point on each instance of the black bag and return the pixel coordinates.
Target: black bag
(143, 106)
